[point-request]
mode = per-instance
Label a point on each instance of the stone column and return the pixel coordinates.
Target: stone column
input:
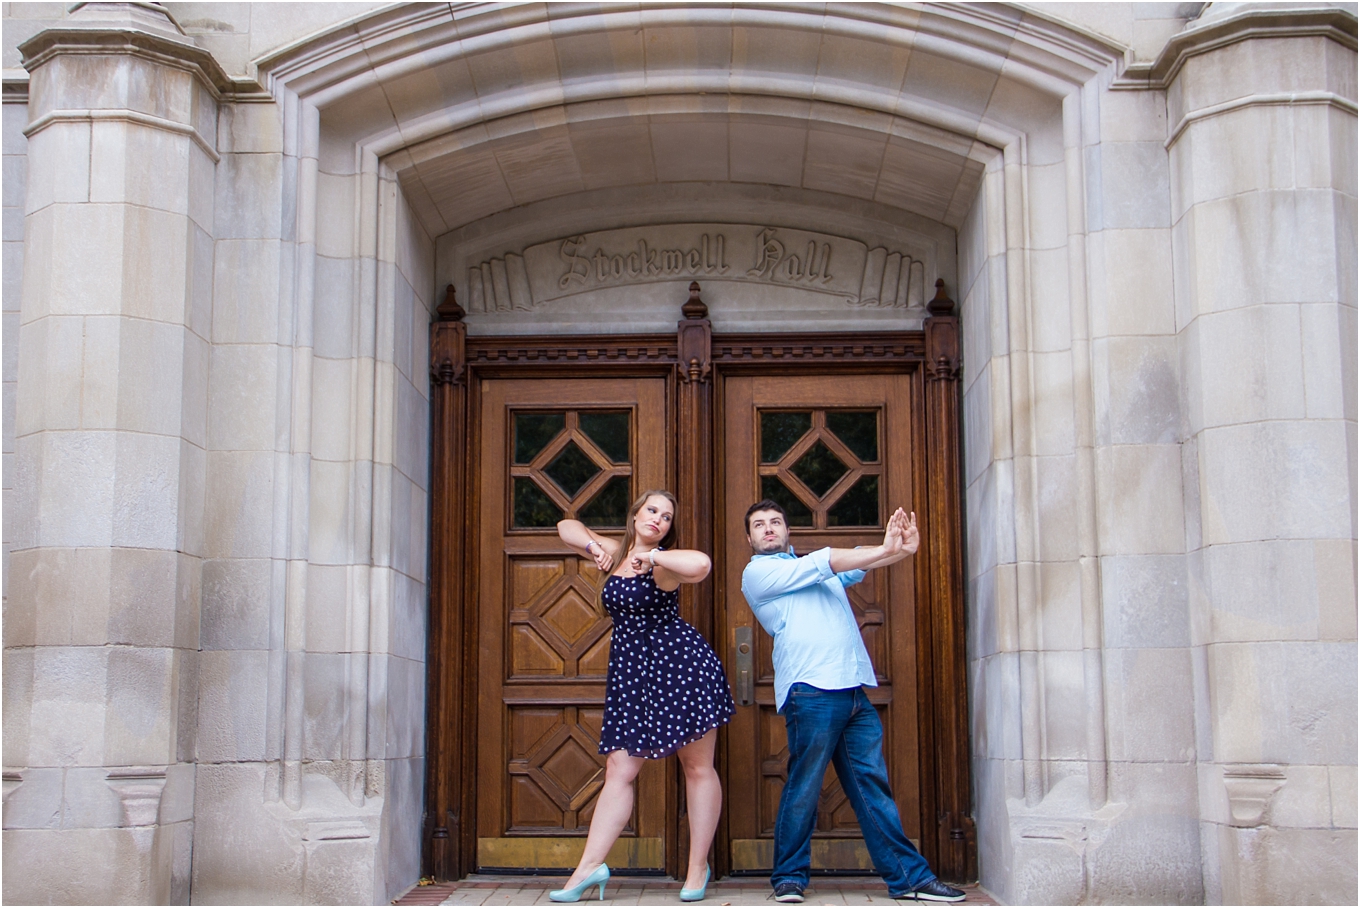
(101, 628)
(1261, 124)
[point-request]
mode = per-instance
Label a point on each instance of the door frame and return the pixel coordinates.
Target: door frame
(695, 361)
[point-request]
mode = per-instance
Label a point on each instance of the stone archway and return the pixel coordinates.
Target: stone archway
(419, 146)
(450, 144)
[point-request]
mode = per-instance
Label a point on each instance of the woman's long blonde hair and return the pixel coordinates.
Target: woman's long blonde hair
(630, 535)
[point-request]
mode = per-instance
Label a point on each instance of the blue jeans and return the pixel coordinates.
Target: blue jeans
(840, 727)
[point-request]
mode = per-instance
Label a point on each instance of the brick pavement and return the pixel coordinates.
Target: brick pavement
(498, 891)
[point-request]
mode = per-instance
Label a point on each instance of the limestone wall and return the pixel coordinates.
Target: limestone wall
(1263, 220)
(220, 259)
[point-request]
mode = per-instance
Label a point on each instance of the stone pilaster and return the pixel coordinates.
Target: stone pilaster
(101, 625)
(1262, 135)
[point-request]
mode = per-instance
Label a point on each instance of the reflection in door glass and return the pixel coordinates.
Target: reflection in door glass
(533, 431)
(858, 507)
(780, 430)
(858, 429)
(795, 511)
(571, 469)
(532, 507)
(819, 469)
(609, 508)
(609, 430)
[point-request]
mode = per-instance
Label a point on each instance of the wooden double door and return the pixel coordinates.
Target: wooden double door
(516, 711)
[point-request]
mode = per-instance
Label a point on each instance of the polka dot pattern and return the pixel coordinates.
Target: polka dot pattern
(665, 687)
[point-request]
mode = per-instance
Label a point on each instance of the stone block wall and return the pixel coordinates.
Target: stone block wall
(1262, 142)
(314, 692)
(215, 489)
(216, 416)
(109, 431)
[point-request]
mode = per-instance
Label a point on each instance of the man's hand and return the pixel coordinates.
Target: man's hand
(893, 538)
(901, 538)
(911, 535)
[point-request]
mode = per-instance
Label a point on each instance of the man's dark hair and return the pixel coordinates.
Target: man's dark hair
(764, 504)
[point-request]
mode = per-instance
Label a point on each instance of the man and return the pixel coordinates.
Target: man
(820, 670)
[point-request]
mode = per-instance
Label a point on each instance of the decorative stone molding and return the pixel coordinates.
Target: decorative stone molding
(139, 790)
(12, 781)
(1250, 790)
(839, 267)
(15, 89)
(144, 30)
(1281, 99)
(125, 116)
(1211, 34)
(1038, 51)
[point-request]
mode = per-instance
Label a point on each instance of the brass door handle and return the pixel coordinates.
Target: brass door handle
(743, 642)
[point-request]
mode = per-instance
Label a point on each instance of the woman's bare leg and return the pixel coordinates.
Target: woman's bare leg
(703, 797)
(613, 807)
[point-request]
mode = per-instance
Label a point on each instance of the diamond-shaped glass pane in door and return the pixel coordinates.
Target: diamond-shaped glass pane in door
(819, 469)
(571, 469)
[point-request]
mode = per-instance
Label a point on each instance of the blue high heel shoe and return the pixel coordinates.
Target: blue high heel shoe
(697, 895)
(598, 875)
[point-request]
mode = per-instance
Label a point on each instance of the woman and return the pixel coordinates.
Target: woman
(665, 693)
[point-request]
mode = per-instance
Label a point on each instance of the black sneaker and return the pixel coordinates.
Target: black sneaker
(790, 892)
(934, 891)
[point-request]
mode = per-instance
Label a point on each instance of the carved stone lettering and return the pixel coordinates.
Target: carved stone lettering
(822, 264)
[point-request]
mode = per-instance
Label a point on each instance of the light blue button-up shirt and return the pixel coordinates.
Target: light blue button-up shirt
(802, 604)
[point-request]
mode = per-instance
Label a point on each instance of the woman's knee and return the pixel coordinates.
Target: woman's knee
(622, 768)
(697, 765)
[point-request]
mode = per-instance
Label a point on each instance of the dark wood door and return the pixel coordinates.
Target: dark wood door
(580, 448)
(838, 453)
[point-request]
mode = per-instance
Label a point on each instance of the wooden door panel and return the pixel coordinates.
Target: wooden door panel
(556, 631)
(549, 449)
(814, 443)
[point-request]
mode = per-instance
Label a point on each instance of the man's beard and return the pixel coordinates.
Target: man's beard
(769, 548)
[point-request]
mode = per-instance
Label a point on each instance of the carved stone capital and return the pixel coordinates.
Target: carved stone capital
(1250, 790)
(139, 789)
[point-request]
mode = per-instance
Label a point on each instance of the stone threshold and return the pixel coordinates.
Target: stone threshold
(484, 889)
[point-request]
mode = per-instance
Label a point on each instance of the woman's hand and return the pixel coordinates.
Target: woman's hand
(585, 543)
(604, 560)
(673, 566)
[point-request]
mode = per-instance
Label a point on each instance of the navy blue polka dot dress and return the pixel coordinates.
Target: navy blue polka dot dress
(665, 686)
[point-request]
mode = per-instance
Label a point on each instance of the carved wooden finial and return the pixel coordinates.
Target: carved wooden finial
(694, 307)
(449, 310)
(941, 304)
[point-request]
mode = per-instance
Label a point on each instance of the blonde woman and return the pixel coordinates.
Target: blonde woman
(665, 693)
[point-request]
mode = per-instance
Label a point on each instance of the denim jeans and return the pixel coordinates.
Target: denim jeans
(840, 727)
